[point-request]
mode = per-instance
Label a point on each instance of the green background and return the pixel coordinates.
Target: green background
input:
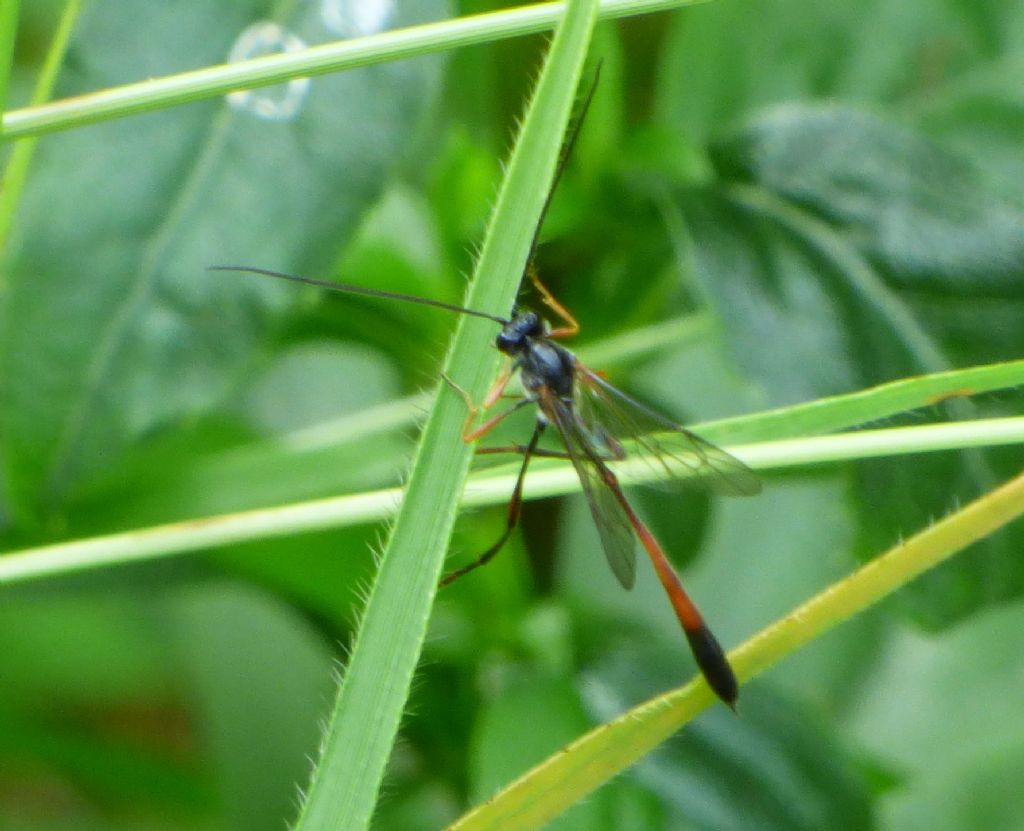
(832, 193)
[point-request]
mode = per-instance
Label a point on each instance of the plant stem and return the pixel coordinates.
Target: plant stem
(487, 488)
(21, 156)
(8, 36)
(880, 577)
(211, 82)
(580, 768)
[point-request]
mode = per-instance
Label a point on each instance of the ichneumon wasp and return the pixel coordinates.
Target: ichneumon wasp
(596, 422)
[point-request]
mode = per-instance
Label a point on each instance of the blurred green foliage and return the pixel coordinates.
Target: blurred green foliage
(841, 186)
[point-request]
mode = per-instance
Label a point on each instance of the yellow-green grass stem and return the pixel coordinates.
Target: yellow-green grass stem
(580, 768)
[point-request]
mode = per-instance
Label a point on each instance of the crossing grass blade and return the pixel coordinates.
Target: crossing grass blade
(771, 426)
(577, 770)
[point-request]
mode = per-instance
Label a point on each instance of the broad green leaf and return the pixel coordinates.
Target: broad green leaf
(94, 646)
(729, 58)
(981, 122)
(962, 685)
(309, 431)
(80, 666)
(762, 280)
(115, 328)
(824, 229)
(91, 762)
(940, 712)
(983, 794)
(928, 218)
(769, 272)
(324, 574)
(258, 680)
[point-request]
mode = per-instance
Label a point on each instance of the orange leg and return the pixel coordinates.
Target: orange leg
(498, 390)
(470, 433)
(572, 327)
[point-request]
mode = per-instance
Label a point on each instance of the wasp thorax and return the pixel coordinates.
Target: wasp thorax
(514, 334)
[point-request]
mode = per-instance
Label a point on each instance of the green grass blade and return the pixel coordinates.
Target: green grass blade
(546, 479)
(387, 646)
(8, 34)
(211, 82)
(842, 411)
(579, 769)
(21, 156)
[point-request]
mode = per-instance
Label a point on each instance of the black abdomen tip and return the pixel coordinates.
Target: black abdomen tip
(712, 662)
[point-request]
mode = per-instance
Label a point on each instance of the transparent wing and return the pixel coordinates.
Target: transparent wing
(613, 526)
(612, 417)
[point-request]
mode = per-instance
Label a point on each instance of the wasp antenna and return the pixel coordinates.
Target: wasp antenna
(348, 288)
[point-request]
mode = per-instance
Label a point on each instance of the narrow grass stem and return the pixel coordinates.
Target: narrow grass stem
(8, 31)
(20, 160)
(549, 478)
(209, 82)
